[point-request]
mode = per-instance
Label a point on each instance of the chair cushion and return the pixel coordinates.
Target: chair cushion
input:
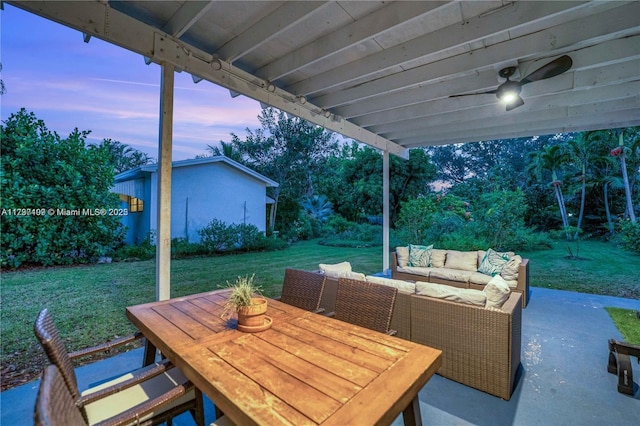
(420, 255)
(403, 286)
(461, 295)
(109, 406)
(497, 292)
(462, 260)
(402, 254)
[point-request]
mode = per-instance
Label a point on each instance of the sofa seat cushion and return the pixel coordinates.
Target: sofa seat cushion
(462, 260)
(403, 286)
(454, 294)
(479, 278)
(416, 270)
(449, 274)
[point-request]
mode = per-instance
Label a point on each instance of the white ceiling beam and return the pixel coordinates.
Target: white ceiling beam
(284, 17)
(552, 40)
(184, 18)
(366, 28)
(494, 112)
(432, 43)
(127, 32)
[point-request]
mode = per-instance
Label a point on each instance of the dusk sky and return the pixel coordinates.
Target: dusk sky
(49, 70)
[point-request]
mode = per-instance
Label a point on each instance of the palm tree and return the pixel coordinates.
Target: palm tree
(123, 156)
(620, 151)
(318, 207)
(227, 149)
(551, 159)
(580, 149)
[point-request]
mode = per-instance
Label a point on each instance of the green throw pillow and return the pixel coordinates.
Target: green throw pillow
(493, 262)
(420, 255)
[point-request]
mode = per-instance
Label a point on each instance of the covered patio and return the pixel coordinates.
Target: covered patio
(387, 74)
(563, 378)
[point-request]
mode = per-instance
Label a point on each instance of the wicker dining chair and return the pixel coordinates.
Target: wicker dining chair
(365, 304)
(154, 394)
(303, 289)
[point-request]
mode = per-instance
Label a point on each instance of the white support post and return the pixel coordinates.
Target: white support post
(385, 211)
(163, 243)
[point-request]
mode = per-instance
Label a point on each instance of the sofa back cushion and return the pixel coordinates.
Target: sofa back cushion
(438, 258)
(497, 292)
(403, 286)
(340, 270)
(462, 260)
(402, 254)
(454, 294)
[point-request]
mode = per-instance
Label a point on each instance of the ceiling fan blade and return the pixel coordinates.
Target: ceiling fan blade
(488, 92)
(552, 69)
(515, 104)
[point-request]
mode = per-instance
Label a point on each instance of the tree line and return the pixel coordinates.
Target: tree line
(577, 184)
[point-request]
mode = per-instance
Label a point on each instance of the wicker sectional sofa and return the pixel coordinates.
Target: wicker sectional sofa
(481, 347)
(469, 278)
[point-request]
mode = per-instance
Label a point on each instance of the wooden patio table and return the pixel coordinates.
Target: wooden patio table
(305, 369)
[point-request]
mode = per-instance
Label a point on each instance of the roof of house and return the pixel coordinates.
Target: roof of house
(141, 171)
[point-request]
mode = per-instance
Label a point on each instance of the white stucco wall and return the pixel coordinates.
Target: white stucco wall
(211, 191)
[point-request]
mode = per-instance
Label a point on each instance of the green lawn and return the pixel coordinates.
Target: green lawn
(602, 269)
(88, 302)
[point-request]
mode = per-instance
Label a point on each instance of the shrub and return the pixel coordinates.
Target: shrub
(217, 236)
(628, 235)
(181, 247)
(144, 251)
(248, 237)
(55, 196)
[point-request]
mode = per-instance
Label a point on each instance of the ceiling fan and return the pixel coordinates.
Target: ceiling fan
(509, 91)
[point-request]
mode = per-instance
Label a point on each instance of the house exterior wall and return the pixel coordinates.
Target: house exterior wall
(138, 223)
(201, 193)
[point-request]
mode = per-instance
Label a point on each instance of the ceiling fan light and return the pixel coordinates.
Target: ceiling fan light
(508, 92)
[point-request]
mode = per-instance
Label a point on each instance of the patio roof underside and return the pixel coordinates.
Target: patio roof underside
(383, 72)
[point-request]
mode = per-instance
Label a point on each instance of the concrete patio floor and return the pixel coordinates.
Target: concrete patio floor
(563, 377)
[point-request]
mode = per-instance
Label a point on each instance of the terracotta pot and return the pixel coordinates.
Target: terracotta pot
(254, 314)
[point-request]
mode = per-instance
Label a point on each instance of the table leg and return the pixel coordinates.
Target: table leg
(411, 414)
(149, 353)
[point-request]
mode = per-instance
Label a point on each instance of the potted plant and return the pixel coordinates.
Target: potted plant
(247, 301)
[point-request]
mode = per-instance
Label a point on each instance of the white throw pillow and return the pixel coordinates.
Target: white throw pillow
(461, 295)
(497, 292)
(510, 269)
(402, 254)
